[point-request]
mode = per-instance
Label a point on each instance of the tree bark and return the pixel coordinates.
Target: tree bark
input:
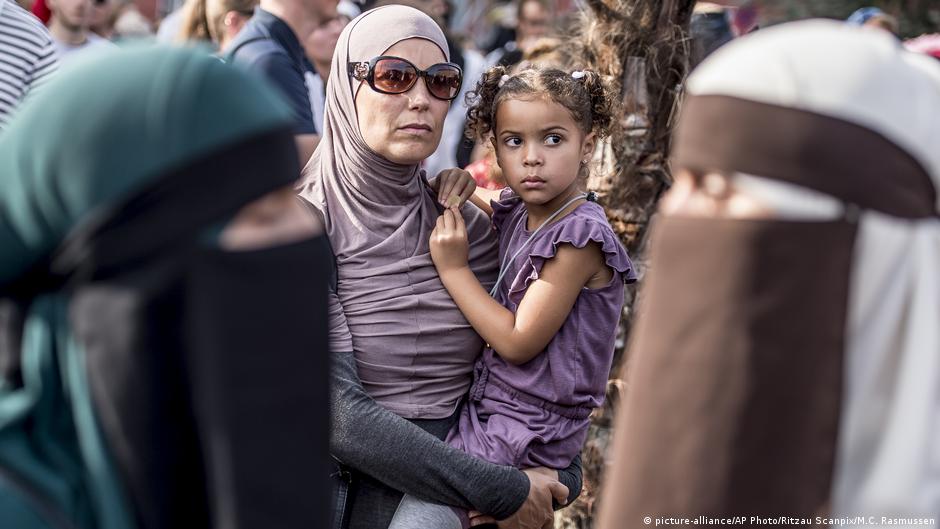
(642, 45)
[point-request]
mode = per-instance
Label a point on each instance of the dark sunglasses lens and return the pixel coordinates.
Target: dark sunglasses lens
(444, 81)
(394, 76)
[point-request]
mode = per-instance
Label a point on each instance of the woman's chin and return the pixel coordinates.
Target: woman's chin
(410, 153)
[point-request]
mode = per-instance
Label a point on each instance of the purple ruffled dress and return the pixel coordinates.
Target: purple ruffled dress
(536, 414)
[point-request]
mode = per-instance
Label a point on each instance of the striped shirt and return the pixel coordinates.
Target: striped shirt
(27, 56)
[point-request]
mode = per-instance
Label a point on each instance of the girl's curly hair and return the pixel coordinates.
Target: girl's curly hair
(585, 94)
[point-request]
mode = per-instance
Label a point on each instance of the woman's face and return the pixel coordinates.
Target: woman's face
(404, 128)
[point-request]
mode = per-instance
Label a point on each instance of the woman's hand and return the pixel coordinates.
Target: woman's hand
(453, 186)
(449, 247)
(536, 512)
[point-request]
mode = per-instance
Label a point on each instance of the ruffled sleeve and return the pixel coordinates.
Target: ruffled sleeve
(578, 231)
(504, 208)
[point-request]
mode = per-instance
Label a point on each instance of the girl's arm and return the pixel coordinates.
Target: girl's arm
(519, 337)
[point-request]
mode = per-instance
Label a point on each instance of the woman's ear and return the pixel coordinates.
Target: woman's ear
(587, 146)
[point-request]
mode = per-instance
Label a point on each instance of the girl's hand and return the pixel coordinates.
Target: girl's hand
(449, 247)
(453, 186)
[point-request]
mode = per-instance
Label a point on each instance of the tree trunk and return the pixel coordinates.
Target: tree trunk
(642, 45)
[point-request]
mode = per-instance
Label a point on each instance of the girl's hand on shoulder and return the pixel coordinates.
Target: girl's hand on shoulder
(449, 246)
(453, 186)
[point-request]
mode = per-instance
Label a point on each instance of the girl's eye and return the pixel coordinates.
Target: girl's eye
(553, 139)
(513, 141)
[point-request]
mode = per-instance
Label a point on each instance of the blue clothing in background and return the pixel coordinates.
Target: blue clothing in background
(267, 45)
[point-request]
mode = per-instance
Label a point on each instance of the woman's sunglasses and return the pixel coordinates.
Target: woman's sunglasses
(394, 75)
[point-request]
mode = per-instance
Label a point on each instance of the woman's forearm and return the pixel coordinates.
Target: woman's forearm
(377, 442)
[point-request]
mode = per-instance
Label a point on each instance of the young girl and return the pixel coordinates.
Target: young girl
(551, 319)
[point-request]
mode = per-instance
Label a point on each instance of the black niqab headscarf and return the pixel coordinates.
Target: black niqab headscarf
(152, 378)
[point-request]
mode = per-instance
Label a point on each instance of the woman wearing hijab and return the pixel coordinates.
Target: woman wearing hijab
(401, 347)
(786, 357)
(162, 304)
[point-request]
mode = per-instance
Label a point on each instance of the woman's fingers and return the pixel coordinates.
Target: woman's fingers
(447, 179)
(559, 492)
(469, 186)
(456, 187)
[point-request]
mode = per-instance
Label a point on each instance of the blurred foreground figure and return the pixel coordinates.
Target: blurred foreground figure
(162, 304)
(786, 360)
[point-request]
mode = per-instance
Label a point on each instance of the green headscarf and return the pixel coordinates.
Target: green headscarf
(99, 133)
(95, 138)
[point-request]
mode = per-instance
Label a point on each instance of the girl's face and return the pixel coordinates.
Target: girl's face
(404, 128)
(540, 147)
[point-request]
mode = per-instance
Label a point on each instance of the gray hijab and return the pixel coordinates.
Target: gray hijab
(414, 349)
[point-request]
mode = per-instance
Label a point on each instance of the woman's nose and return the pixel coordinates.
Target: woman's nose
(418, 97)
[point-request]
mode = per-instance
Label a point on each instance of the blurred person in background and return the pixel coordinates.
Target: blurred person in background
(226, 19)
(169, 26)
(129, 22)
(22, 36)
(533, 20)
(214, 21)
(710, 29)
(101, 22)
(785, 360)
(319, 46)
(872, 17)
(194, 25)
(163, 355)
(69, 26)
(269, 45)
(41, 10)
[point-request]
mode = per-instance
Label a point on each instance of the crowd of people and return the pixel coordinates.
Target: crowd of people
(310, 263)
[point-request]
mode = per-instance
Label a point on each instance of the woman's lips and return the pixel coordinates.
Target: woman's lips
(417, 129)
